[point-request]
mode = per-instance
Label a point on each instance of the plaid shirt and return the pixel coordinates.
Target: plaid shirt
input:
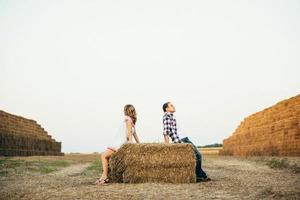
(170, 128)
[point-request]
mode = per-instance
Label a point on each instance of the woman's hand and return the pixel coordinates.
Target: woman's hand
(136, 137)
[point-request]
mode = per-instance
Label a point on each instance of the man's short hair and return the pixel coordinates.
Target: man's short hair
(165, 106)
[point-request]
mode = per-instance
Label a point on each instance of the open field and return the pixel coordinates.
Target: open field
(72, 177)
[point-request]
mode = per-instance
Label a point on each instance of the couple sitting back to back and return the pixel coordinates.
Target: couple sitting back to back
(169, 131)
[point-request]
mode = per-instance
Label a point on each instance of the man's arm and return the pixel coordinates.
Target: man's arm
(167, 127)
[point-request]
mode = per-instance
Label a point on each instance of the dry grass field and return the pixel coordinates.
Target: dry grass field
(72, 177)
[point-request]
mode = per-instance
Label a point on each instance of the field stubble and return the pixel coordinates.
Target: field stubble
(73, 176)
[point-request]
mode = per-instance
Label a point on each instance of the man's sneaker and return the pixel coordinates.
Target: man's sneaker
(203, 179)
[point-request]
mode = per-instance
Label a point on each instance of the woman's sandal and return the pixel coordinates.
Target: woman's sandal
(102, 181)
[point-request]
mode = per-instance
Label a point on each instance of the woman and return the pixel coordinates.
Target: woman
(130, 132)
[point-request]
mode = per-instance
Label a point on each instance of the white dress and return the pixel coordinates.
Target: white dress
(121, 135)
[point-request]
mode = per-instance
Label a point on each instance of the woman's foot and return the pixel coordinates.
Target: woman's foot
(101, 181)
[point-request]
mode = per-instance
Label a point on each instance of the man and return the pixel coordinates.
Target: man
(170, 131)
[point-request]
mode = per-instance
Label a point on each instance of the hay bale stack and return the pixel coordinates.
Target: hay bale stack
(153, 162)
(25, 137)
(274, 131)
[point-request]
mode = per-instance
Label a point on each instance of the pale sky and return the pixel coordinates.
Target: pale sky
(73, 65)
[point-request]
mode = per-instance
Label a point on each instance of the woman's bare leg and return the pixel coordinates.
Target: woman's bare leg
(105, 159)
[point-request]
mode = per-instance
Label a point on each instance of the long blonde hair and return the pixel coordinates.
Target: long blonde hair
(129, 110)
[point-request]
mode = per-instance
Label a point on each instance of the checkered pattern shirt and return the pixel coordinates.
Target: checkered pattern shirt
(170, 128)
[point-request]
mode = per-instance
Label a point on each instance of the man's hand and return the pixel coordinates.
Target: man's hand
(166, 139)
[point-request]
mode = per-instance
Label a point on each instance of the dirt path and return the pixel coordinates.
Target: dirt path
(72, 170)
(232, 178)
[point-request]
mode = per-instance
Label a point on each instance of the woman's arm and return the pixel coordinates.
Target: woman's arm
(129, 131)
(136, 137)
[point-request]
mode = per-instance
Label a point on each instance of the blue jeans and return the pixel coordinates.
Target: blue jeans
(199, 172)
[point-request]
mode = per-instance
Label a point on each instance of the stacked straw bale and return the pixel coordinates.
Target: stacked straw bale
(24, 137)
(153, 162)
(275, 131)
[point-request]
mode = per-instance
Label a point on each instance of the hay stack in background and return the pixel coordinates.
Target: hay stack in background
(140, 163)
(25, 137)
(274, 131)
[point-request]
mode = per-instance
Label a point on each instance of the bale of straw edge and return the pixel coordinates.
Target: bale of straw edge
(153, 162)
